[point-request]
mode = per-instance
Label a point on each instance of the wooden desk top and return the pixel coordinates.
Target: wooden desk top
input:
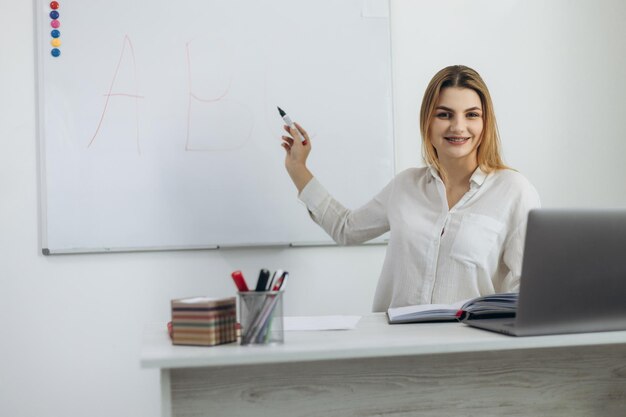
(372, 338)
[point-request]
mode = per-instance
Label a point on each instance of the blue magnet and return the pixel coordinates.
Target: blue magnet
(55, 33)
(54, 14)
(55, 52)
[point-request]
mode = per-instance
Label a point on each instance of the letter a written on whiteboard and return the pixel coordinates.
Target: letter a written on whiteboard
(110, 93)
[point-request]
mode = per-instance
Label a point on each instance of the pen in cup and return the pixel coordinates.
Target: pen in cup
(261, 284)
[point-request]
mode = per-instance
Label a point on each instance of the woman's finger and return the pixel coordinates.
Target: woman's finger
(298, 132)
(303, 132)
(295, 133)
(291, 132)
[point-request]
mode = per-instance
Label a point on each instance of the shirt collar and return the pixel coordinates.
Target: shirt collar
(477, 178)
(433, 172)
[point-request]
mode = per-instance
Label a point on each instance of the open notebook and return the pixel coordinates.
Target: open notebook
(489, 306)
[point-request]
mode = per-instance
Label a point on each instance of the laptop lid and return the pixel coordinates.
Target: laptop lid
(573, 272)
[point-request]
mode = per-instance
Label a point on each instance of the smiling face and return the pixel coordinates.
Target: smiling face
(457, 125)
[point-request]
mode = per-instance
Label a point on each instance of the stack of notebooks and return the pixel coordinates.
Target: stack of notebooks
(203, 321)
(488, 306)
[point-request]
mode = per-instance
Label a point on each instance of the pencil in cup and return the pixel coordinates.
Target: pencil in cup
(261, 317)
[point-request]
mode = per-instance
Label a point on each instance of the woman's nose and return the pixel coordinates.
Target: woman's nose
(456, 125)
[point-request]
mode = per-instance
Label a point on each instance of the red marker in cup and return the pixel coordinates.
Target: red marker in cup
(240, 282)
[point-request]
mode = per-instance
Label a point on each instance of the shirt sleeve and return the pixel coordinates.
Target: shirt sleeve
(346, 226)
(514, 245)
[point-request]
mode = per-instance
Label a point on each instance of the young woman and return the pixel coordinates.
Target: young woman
(457, 226)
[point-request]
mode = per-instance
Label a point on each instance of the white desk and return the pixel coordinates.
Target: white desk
(445, 369)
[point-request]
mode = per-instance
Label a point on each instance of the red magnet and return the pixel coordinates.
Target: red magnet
(54, 5)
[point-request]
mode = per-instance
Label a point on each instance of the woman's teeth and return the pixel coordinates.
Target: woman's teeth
(456, 139)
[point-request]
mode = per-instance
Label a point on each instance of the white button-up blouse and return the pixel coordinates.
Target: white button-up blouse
(435, 254)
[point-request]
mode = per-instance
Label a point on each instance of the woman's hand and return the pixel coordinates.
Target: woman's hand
(297, 149)
(297, 152)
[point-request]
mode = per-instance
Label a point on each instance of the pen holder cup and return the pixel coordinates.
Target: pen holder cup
(261, 317)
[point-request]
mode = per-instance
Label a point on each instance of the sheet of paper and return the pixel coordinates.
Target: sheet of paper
(321, 322)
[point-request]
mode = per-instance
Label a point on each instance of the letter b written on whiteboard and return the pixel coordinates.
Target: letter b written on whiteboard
(216, 121)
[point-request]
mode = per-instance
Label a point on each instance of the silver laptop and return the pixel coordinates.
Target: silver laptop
(573, 275)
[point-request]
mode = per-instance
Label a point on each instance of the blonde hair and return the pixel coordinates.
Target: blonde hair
(488, 156)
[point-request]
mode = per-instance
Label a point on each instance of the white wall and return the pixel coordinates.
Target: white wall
(71, 325)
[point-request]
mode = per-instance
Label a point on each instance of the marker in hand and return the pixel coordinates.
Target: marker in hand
(289, 123)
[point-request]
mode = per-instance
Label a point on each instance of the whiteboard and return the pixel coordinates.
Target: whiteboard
(158, 126)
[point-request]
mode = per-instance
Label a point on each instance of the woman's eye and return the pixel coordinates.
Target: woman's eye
(443, 115)
(473, 115)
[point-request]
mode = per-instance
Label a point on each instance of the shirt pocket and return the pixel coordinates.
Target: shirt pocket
(475, 239)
